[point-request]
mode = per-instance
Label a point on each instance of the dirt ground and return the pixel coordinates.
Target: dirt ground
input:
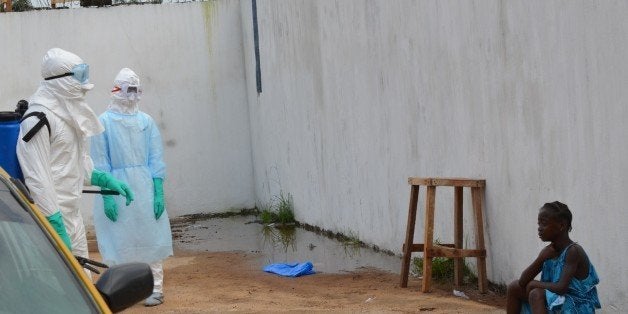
(216, 282)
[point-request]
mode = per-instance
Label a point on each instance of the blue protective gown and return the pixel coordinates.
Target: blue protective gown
(581, 296)
(131, 149)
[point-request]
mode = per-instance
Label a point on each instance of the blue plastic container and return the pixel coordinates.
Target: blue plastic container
(9, 131)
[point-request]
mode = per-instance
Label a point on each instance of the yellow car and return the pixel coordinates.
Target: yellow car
(38, 274)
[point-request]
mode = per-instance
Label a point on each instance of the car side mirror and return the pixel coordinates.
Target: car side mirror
(124, 285)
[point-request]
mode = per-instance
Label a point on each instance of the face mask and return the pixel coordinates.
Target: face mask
(80, 72)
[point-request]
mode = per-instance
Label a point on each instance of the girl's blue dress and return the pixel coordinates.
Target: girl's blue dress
(581, 296)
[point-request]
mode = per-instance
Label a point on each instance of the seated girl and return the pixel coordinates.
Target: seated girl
(568, 278)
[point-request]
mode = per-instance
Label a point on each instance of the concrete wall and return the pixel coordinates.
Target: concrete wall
(530, 95)
(189, 58)
(359, 95)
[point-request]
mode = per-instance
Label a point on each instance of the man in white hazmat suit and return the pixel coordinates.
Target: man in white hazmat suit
(131, 149)
(55, 161)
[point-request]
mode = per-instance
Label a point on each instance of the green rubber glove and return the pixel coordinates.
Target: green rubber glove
(111, 208)
(107, 181)
(158, 204)
(56, 220)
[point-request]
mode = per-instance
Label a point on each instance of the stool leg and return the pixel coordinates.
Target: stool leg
(458, 228)
(476, 195)
(407, 246)
(428, 238)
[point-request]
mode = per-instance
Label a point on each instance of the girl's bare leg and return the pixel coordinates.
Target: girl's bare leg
(515, 295)
(537, 301)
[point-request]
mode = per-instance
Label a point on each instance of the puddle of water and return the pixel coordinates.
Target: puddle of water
(240, 233)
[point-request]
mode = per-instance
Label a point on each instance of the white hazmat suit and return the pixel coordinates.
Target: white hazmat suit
(56, 163)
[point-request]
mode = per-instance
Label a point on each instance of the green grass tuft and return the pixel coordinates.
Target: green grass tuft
(442, 269)
(280, 210)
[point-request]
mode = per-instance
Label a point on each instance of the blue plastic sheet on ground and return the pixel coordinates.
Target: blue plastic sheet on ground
(290, 269)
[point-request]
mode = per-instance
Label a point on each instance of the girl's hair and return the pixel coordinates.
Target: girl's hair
(560, 211)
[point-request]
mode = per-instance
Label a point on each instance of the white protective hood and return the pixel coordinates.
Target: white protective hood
(65, 96)
(121, 100)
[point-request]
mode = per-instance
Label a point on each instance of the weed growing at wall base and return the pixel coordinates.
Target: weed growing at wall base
(279, 211)
(442, 269)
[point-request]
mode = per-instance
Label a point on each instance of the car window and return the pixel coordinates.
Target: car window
(33, 276)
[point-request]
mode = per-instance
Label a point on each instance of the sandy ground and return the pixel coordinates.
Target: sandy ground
(216, 282)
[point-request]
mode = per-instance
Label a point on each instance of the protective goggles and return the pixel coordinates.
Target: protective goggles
(80, 72)
(127, 89)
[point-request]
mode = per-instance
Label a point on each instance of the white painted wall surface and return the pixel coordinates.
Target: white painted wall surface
(359, 95)
(189, 59)
(530, 95)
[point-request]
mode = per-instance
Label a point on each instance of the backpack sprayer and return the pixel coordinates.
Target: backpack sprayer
(9, 133)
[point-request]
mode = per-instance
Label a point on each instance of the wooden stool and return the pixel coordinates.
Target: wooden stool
(454, 250)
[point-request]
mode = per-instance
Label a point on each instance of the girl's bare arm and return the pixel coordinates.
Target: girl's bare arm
(572, 260)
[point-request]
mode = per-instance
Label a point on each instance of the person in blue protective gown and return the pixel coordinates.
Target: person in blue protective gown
(131, 149)
(55, 160)
(568, 279)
